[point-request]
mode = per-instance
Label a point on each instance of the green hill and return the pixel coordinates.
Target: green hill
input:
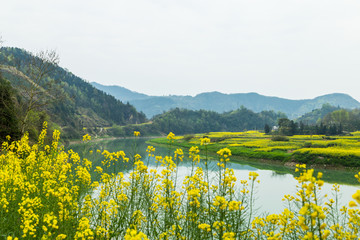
(316, 115)
(74, 105)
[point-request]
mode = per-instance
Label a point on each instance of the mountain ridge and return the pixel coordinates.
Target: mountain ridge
(120, 92)
(223, 102)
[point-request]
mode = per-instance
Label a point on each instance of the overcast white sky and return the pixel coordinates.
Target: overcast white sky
(287, 48)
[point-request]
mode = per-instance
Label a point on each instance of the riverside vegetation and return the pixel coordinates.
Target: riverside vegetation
(49, 193)
(309, 149)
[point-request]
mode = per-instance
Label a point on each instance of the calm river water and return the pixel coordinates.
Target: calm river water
(275, 181)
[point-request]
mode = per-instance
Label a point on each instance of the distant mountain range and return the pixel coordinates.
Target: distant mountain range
(220, 102)
(121, 93)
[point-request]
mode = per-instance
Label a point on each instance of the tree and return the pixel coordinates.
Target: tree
(8, 120)
(301, 128)
(287, 127)
(267, 129)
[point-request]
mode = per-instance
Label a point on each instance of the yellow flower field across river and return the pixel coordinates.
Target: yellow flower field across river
(48, 193)
(310, 149)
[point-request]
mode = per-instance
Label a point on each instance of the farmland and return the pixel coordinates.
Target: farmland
(326, 151)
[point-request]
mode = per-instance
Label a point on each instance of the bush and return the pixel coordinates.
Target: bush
(280, 138)
(188, 137)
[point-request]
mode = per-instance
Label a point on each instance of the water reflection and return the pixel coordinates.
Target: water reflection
(275, 180)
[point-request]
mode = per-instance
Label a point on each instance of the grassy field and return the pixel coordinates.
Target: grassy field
(310, 149)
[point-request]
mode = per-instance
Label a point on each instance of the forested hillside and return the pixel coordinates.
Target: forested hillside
(316, 115)
(183, 121)
(328, 120)
(61, 97)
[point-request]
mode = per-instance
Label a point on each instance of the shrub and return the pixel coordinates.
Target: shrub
(280, 138)
(188, 137)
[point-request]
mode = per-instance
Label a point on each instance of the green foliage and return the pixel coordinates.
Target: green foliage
(36, 120)
(280, 138)
(8, 122)
(329, 120)
(348, 120)
(182, 121)
(287, 127)
(267, 129)
(188, 137)
(313, 117)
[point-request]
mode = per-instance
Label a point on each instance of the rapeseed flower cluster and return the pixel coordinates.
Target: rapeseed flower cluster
(41, 188)
(49, 193)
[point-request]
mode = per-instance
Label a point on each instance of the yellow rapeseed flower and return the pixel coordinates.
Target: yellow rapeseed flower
(204, 141)
(205, 227)
(86, 138)
(356, 196)
(133, 234)
(171, 136)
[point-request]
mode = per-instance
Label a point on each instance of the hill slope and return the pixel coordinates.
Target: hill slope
(316, 115)
(81, 105)
(220, 102)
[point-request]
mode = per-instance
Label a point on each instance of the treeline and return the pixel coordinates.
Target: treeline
(328, 120)
(316, 116)
(183, 121)
(337, 122)
(289, 127)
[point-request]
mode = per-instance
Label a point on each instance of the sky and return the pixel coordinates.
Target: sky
(296, 49)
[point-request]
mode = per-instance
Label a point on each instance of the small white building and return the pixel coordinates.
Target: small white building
(275, 128)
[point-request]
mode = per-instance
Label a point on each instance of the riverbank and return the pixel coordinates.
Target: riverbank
(100, 139)
(317, 151)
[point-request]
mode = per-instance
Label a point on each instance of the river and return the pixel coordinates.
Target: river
(275, 180)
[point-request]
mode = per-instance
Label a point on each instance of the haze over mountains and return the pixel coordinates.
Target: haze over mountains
(220, 102)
